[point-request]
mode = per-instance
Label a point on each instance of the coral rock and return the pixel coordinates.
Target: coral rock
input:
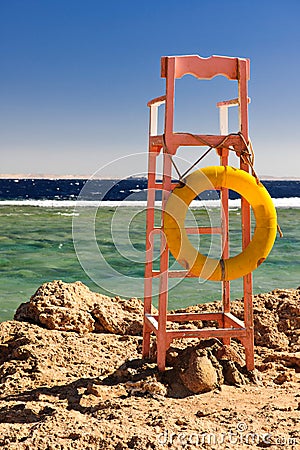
(73, 307)
(60, 306)
(119, 316)
(196, 370)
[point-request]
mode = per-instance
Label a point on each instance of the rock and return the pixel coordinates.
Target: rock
(196, 370)
(209, 364)
(67, 320)
(287, 359)
(148, 386)
(267, 334)
(73, 307)
(288, 309)
(60, 306)
(105, 392)
(120, 316)
(24, 313)
(283, 377)
(232, 375)
(137, 442)
(276, 317)
(226, 352)
(4, 352)
(93, 391)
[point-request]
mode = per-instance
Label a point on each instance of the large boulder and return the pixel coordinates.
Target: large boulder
(196, 370)
(74, 307)
(60, 306)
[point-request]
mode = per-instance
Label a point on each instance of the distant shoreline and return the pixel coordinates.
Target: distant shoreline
(30, 176)
(39, 176)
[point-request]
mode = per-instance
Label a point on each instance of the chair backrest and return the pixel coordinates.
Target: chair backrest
(174, 67)
(202, 68)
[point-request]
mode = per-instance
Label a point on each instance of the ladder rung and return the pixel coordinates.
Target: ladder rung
(174, 274)
(195, 230)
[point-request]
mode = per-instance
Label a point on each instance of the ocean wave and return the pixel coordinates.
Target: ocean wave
(291, 202)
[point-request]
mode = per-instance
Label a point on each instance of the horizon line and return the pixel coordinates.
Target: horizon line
(23, 176)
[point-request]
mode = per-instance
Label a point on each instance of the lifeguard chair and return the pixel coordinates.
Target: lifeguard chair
(229, 326)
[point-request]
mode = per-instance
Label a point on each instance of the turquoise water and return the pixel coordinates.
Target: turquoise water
(36, 245)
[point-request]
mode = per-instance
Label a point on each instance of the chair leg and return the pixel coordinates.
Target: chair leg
(146, 341)
(161, 354)
(249, 351)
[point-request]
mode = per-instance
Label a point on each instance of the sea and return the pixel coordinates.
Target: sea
(94, 231)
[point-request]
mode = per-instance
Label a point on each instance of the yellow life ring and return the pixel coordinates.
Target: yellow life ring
(215, 177)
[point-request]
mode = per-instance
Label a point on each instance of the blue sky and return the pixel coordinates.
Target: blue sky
(76, 76)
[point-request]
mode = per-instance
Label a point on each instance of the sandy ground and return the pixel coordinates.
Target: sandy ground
(90, 389)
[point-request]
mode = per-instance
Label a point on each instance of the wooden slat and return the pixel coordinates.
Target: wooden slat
(208, 333)
(186, 317)
(152, 322)
(157, 101)
(185, 139)
(234, 320)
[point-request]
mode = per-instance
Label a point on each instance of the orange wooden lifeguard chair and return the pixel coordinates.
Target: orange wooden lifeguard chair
(229, 326)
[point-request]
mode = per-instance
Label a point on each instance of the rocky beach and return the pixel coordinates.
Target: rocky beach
(72, 377)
